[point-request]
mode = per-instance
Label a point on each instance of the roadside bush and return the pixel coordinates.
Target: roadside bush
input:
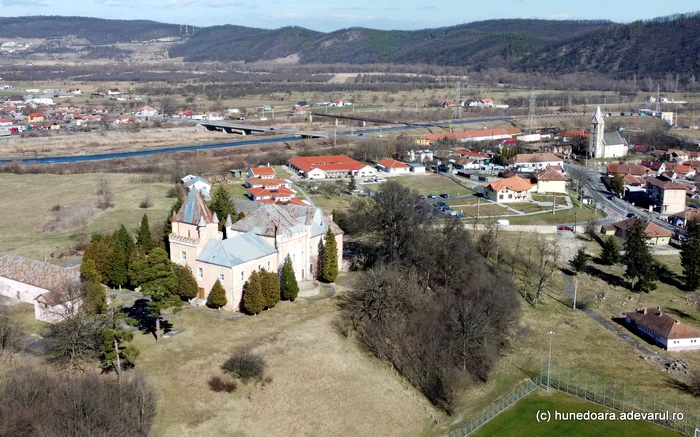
(246, 365)
(219, 384)
(146, 203)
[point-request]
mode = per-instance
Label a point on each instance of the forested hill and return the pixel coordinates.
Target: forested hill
(94, 30)
(660, 46)
(491, 43)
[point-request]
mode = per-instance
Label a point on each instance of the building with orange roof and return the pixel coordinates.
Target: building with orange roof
(528, 162)
(329, 167)
(393, 166)
(474, 135)
(654, 234)
(663, 329)
(508, 190)
(268, 183)
(550, 180)
(261, 172)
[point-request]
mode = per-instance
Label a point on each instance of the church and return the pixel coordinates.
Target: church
(605, 145)
(260, 240)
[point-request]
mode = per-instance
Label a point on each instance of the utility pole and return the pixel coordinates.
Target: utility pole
(658, 97)
(478, 204)
(531, 112)
(554, 202)
(457, 110)
(44, 243)
(549, 366)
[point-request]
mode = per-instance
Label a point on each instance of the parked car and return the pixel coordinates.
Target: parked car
(444, 196)
(456, 214)
(378, 179)
(431, 196)
(564, 228)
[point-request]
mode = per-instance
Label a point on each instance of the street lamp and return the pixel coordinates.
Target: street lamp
(549, 366)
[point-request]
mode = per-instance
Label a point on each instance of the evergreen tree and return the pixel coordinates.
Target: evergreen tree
(125, 240)
(580, 261)
(222, 204)
(187, 286)
(271, 288)
(118, 270)
(159, 282)
(137, 265)
(640, 264)
(690, 256)
(217, 296)
(253, 298)
(329, 269)
(92, 292)
(617, 185)
(116, 352)
(611, 251)
(99, 252)
(289, 287)
(352, 185)
(143, 239)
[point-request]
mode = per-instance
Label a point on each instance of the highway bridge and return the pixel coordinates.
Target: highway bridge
(232, 127)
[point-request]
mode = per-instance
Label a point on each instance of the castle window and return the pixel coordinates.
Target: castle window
(242, 275)
(268, 265)
(183, 255)
(200, 273)
(221, 277)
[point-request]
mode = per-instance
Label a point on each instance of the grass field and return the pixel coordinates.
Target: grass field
(328, 204)
(322, 384)
(27, 201)
(520, 420)
(567, 216)
(430, 183)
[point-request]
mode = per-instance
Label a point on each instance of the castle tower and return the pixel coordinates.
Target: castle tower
(595, 145)
(192, 227)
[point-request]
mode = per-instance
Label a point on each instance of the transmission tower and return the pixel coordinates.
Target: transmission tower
(457, 110)
(531, 117)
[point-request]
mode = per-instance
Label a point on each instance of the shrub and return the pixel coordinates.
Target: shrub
(146, 203)
(219, 384)
(246, 365)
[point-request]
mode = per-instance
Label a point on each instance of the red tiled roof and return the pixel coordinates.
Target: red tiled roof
(575, 133)
(549, 174)
(262, 171)
(470, 153)
(515, 183)
(36, 273)
(325, 163)
(650, 229)
(392, 163)
(274, 193)
(266, 182)
(665, 185)
(662, 324)
(634, 169)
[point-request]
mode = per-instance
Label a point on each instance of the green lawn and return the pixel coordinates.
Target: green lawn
(520, 420)
(430, 183)
(328, 204)
(567, 216)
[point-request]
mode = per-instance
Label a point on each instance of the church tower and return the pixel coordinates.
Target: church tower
(595, 145)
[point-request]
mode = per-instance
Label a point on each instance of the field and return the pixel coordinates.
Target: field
(28, 199)
(578, 215)
(430, 183)
(520, 420)
(322, 383)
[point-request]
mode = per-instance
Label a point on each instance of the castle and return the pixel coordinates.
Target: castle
(260, 240)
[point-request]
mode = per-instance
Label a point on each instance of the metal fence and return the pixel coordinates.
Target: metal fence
(496, 408)
(623, 397)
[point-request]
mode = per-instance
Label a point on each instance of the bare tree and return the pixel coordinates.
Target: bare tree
(106, 195)
(10, 336)
(543, 267)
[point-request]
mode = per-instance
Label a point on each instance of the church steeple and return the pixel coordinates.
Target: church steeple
(595, 144)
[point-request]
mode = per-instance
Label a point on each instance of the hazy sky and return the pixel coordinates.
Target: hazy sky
(329, 15)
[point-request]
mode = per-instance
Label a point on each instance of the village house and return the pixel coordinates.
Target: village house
(623, 169)
(420, 155)
(393, 166)
(681, 219)
(328, 167)
(261, 172)
(529, 162)
(507, 190)
(663, 330)
(113, 92)
(654, 234)
(669, 195)
(200, 184)
(272, 190)
(260, 240)
(550, 180)
(35, 117)
(146, 111)
(75, 91)
(44, 285)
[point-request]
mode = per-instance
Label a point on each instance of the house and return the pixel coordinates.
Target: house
(633, 183)
(557, 149)
(550, 180)
(5, 122)
(416, 168)
(333, 166)
(113, 92)
(393, 166)
(507, 190)
(46, 286)
(266, 107)
(474, 156)
(666, 193)
(273, 182)
(663, 330)
(528, 162)
(654, 234)
(274, 189)
(262, 239)
(75, 91)
(14, 99)
(261, 172)
(146, 111)
(198, 183)
(35, 117)
(623, 169)
(681, 219)
(607, 230)
(487, 102)
(650, 99)
(420, 155)
(680, 156)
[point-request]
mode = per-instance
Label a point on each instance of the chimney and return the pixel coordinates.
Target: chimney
(644, 310)
(268, 165)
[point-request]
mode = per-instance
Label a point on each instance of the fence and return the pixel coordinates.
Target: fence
(622, 397)
(496, 408)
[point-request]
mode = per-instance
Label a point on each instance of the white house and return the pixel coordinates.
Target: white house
(146, 111)
(113, 92)
(417, 168)
(507, 190)
(393, 166)
(200, 184)
(663, 330)
(529, 162)
(28, 280)
(261, 172)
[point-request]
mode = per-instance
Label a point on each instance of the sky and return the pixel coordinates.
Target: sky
(329, 15)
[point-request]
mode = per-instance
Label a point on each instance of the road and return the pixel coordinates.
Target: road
(612, 206)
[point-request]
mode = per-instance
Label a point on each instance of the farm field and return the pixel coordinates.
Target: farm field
(520, 420)
(29, 198)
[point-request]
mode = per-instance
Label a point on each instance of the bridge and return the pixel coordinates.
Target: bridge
(232, 127)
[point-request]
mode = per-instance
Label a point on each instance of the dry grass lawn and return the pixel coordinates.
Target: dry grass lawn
(430, 183)
(27, 201)
(322, 384)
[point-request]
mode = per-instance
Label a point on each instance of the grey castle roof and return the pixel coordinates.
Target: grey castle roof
(194, 210)
(235, 251)
(285, 219)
